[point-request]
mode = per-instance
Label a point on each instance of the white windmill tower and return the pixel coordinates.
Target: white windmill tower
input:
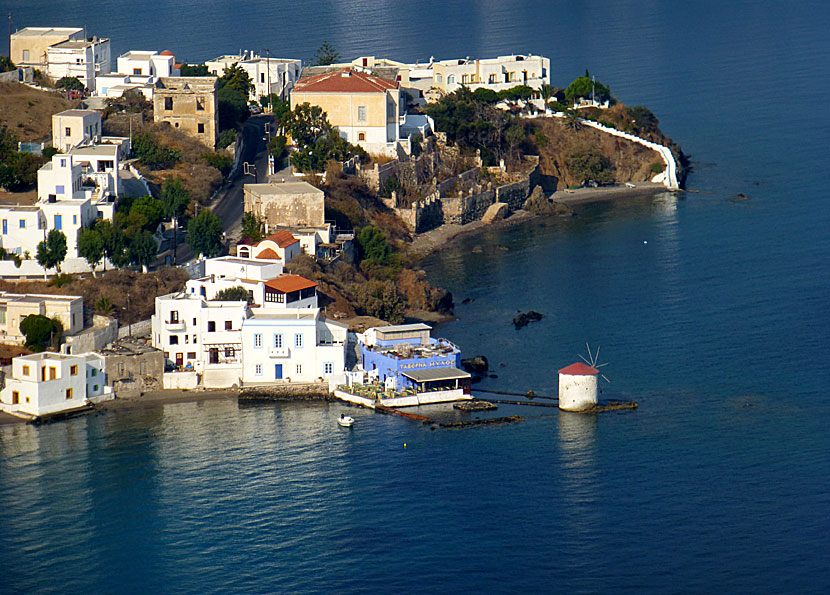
(578, 383)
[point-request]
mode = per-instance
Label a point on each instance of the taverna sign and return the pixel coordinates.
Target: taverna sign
(429, 364)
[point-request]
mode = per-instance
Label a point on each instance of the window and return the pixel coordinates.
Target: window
(168, 103)
(73, 370)
(74, 220)
(187, 338)
(174, 339)
(258, 369)
(491, 79)
(328, 367)
(194, 338)
(211, 326)
(299, 368)
(67, 132)
(200, 104)
(200, 128)
(25, 55)
(465, 78)
(257, 340)
(228, 325)
(174, 315)
(229, 351)
(361, 113)
(22, 224)
(298, 340)
(261, 77)
(53, 372)
(68, 393)
(94, 372)
(361, 136)
(95, 388)
(439, 78)
(25, 370)
(278, 341)
(15, 397)
(194, 322)
(451, 79)
(191, 355)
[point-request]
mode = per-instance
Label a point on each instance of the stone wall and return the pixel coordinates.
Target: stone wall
(104, 331)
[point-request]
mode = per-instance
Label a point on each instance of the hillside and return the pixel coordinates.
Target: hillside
(28, 112)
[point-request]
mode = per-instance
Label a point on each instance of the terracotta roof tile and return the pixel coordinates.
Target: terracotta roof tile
(289, 283)
(281, 239)
(344, 81)
(579, 369)
(268, 254)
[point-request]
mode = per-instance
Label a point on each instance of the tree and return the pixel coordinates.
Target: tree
(113, 239)
(251, 228)
(233, 294)
(146, 212)
(52, 250)
(590, 165)
(70, 83)
(232, 107)
(381, 299)
(326, 55)
(373, 245)
(235, 77)
(204, 234)
(104, 306)
(306, 123)
(194, 70)
(143, 249)
(41, 331)
(91, 246)
(585, 87)
(6, 64)
(153, 155)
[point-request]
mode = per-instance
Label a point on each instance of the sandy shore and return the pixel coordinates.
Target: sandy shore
(438, 238)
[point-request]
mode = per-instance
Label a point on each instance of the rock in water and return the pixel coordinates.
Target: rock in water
(524, 318)
(538, 203)
(476, 365)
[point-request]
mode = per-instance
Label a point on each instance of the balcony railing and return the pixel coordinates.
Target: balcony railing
(278, 352)
(174, 325)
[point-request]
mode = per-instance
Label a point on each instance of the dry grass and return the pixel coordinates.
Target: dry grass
(132, 294)
(28, 112)
(29, 197)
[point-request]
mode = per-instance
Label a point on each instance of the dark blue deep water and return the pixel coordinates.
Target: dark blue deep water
(717, 326)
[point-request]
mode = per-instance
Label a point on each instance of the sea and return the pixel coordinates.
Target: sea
(712, 313)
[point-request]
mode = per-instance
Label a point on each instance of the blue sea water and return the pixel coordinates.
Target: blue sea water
(717, 326)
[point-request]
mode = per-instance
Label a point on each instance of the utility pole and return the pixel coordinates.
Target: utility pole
(10, 35)
(268, 69)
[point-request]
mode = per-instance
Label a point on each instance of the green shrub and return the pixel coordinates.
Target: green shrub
(226, 139)
(657, 168)
(221, 162)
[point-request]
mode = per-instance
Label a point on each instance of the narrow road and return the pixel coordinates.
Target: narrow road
(229, 203)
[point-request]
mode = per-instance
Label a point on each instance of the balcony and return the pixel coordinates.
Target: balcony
(174, 325)
(278, 352)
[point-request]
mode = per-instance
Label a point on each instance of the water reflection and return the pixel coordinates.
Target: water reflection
(577, 440)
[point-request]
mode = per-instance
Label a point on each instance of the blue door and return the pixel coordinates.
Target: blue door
(58, 222)
(278, 371)
(5, 227)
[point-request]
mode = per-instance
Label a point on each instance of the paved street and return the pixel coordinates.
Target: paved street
(229, 203)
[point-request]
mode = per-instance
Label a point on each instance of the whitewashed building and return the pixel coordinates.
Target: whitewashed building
(503, 72)
(137, 70)
(292, 345)
(47, 383)
(80, 58)
(279, 246)
(74, 127)
(227, 272)
(277, 74)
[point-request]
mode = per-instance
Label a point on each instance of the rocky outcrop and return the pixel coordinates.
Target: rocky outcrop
(477, 365)
(539, 204)
(522, 319)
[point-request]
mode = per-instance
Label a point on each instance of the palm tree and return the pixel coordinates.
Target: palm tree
(572, 120)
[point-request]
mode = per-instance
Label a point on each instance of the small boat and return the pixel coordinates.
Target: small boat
(345, 421)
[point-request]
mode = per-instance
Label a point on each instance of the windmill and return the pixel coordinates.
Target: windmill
(593, 361)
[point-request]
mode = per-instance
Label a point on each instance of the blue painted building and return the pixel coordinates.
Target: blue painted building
(397, 350)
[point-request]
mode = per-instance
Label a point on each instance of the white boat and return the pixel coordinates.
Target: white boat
(345, 421)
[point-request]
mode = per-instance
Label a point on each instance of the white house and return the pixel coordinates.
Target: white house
(277, 74)
(74, 127)
(81, 58)
(298, 345)
(227, 272)
(137, 70)
(47, 383)
(202, 335)
(281, 245)
(496, 74)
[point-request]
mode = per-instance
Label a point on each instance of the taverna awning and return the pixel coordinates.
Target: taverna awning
(436, 374)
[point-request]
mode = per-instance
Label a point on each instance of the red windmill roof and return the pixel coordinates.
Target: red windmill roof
(579, 369)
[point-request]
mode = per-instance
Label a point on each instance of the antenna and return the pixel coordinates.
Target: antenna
(593, 360)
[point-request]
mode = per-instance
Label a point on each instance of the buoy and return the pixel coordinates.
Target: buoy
(645, 242)
(404, 444)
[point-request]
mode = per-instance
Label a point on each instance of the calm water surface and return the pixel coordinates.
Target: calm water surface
(717, 326)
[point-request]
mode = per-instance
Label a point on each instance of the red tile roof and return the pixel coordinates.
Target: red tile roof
(344, 81)
(289, 283)
(268, 254)
(282, 239)
(579, 369)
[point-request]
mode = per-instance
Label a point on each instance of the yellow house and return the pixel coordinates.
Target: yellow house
(367, 110)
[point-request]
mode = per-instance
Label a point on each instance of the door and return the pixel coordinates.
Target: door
(278, 371)
(5, 226)
(58, 222)
(179, 359)
(214, 355)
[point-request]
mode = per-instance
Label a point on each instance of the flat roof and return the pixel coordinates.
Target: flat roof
(245, 261)
(94, 150)
(42, 31)
(78, 112)
(435, 374)
(403, 328)
(288, 314)
(283, 188)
